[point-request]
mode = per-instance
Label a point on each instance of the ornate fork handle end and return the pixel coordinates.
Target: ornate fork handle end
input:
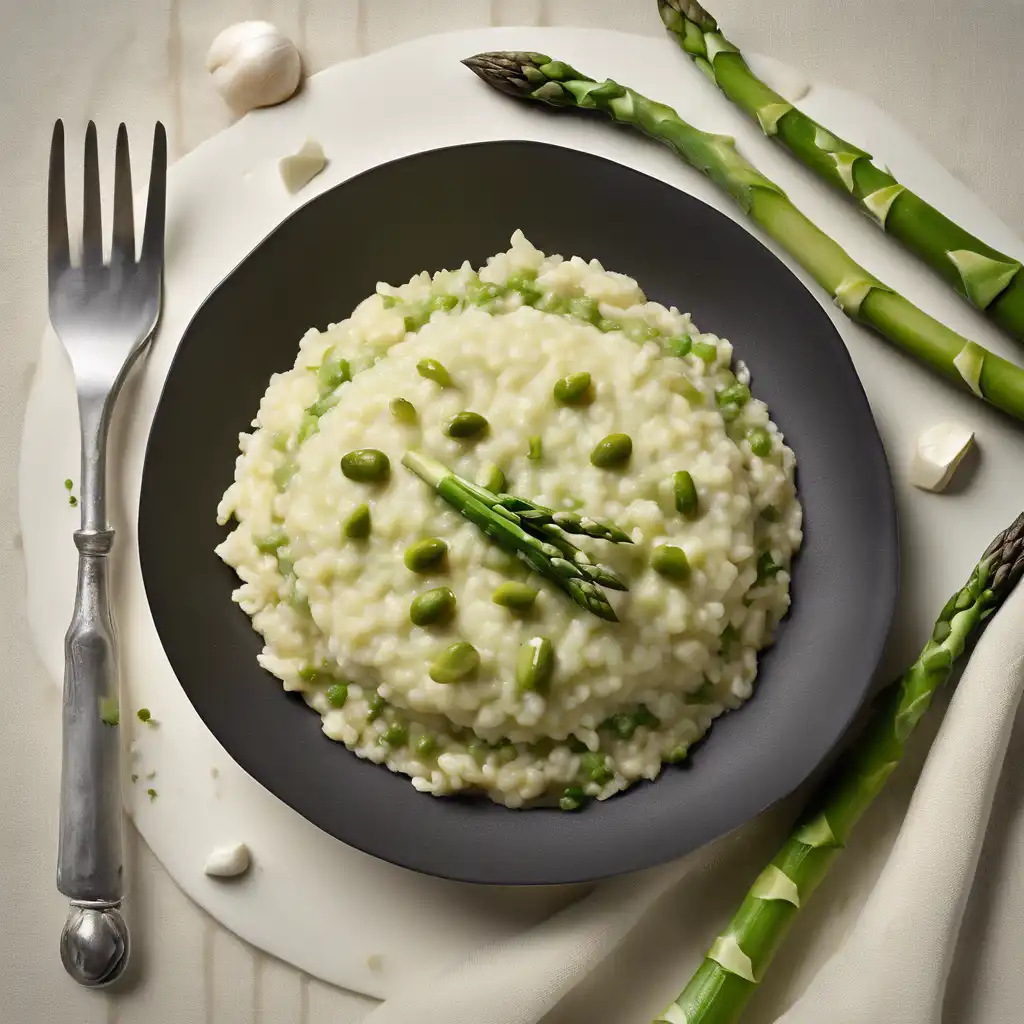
(94, 944)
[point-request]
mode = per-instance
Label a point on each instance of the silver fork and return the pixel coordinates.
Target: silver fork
(104, 313)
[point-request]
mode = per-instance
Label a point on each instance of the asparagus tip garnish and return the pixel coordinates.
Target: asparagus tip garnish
(534, 538)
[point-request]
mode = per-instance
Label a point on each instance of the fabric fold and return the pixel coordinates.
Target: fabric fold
(895, 959)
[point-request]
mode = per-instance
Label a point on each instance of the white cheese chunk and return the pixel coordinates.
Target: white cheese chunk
(937, 454)
(228, 861)
(299, 169)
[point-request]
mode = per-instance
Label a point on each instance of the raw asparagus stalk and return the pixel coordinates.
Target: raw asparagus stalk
(738, 958)
(560, 563)
(987, 278)
(860, 295)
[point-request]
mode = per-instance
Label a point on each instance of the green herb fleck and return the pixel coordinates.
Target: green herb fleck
(491, 478)
(333, 372)
(426, 555)
(535, 665)
(585, 309)
(575, 389)
(612, 451)
(396, 735)
(375, 707)
(767, 567)
(269, 545)
(151, 793)
(704, 694)
(685, 492)
(337, 694)
(727, 639)
(760, 442)
(455, 663)
(517, 597)
(308, 426)
(144, 715)
(705, 351)
(359, 523)
(433, 608)
(671, 562)
(435, 371)
(464, 426)
(68, 484)
(646, 717)
(403, 410)
(366, 465)
(572, 799)
(595, 767)
(425, 745)
(736, 394)
(680, 346)
(110, 712)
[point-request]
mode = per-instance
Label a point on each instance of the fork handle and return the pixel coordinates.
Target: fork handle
(89, 860)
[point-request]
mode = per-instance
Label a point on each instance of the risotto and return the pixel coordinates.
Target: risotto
(427, 641)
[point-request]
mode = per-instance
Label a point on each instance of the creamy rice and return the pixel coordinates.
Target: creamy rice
(625, 696)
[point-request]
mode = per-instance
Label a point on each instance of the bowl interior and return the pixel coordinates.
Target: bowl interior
(435, 210)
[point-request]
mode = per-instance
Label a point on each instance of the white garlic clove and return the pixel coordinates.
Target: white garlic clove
(228, 861)
(937, 454)
(301, 168)
(253, 64)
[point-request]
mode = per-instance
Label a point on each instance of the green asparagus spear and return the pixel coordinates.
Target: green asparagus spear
(987, 278)
(738, 958)
(859, 294)
(504, 528)
(547, 525)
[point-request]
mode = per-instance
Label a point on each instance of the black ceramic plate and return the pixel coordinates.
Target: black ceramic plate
(434, 210)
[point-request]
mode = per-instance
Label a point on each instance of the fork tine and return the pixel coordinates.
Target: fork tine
(58, 251)
(92, 225)
(124, 215)
(156, 201)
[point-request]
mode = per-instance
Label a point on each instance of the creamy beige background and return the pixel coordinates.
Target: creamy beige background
(950, 70)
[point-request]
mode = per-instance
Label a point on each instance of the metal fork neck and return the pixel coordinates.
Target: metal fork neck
(94, 414)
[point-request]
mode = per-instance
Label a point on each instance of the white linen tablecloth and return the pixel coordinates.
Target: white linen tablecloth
(951, 70)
